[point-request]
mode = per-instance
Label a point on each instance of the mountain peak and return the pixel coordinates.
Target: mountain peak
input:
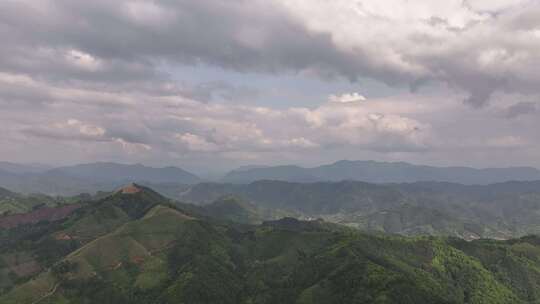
(130, 189)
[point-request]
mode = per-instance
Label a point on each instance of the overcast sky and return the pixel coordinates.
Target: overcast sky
(209, 85)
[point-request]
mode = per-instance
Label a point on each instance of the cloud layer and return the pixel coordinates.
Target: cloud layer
(96, 78)
(474, 46)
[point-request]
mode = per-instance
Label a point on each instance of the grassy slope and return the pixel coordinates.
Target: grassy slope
(11, 202)
(28, 249)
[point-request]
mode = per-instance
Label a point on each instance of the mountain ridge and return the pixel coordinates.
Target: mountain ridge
(109, 171)
(383, 172)
(92, 177)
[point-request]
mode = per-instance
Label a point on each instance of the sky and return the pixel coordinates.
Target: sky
(210, 85)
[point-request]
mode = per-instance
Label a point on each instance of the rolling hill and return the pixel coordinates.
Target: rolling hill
(11, 202)
(153, 252)
(44, 236)
(503, 210)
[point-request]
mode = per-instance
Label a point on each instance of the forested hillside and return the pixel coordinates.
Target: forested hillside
(134, 246)
(500, 211)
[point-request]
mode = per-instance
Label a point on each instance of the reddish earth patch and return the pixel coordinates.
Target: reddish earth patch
(130, 189)
(62, 236)
(137, 260)
(42, 214)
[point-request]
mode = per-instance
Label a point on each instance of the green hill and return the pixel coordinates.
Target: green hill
(135, 247)
(11, 202)
(28, 249)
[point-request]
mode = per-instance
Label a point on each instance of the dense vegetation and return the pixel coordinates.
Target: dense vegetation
(12, 203)
(494, 211)
(136, 247)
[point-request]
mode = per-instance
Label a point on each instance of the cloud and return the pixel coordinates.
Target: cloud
(177, 125)
(96, 79)
(196, 143)
(493, 6)
(519, 109)
(347, 97)
(468, 48)
(74, 131)
(480, 47)
(71, 129)
(84, 129)
(140, 126)
(220, 90)
(509, 142)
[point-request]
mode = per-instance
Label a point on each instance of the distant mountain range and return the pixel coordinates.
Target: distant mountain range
(382, 172)
(120, 172)
(72, 180)
(22, 168)
(106, 176)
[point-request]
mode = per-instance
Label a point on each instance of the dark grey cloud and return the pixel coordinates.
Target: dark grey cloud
(120, 43)
(126, 41)
(520, 108)
(197, 31)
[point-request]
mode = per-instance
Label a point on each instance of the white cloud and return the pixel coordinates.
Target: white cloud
(477, 46)
(84, 129)
(454, 42)
(300, 142)
(132, 148)
(180, 125)
(347, 97)
(83, 60)
(196, 143)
